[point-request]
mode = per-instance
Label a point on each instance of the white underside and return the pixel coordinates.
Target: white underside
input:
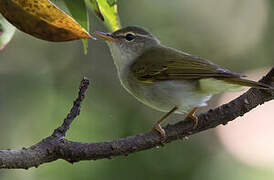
(165, 95)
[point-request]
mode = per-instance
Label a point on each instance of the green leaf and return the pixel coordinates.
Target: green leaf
(111, 2)
(78, 10)
(6, 32)
(93, 5)
(107, 11)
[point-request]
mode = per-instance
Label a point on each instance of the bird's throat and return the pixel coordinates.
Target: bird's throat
(122, 60)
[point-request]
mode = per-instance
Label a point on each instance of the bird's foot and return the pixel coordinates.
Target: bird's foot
(192, 116)
(160, 130)
(157, 125)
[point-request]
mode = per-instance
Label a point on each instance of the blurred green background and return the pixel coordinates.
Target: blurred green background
(39, 82)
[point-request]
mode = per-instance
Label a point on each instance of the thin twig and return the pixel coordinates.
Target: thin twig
(74, 111)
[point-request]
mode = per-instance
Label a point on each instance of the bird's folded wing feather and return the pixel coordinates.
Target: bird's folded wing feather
(160, 64)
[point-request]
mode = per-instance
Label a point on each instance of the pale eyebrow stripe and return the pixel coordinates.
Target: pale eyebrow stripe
(141, 35)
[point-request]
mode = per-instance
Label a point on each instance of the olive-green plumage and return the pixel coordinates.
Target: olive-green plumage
(162, 64)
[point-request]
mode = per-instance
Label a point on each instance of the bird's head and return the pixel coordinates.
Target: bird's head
(128, 43)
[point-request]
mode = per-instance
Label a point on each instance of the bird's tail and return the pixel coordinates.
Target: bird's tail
(249, 83)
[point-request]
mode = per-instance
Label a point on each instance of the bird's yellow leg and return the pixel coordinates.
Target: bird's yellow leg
(192, 116)
(157, 126)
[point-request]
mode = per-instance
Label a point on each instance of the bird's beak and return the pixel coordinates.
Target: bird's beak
(105, 36)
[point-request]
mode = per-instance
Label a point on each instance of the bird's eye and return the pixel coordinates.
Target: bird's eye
(130, 37)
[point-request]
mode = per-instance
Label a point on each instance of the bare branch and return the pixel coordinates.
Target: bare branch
(56, 147)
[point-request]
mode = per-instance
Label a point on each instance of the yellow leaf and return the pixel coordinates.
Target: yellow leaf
(42, 19)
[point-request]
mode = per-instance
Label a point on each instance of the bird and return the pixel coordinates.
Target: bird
(167, 79)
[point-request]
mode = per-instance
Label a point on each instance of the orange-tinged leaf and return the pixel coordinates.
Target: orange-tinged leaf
(42, 19)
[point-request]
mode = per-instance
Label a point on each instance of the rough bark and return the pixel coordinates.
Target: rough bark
(57, 147)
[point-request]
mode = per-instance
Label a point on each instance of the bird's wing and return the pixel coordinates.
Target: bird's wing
(161, 64)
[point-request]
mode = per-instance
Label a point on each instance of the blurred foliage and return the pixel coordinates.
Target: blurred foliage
(39, 81)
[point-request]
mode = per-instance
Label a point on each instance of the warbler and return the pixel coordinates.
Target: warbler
(167, 79)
